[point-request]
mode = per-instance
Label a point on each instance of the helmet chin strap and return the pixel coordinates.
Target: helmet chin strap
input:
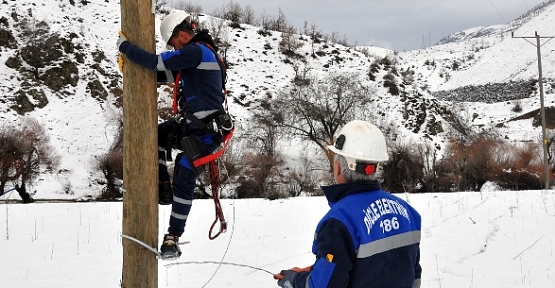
(362, 167)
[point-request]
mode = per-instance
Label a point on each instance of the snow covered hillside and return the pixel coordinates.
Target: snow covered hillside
(485, 72)
(70, 88)
(476, 57)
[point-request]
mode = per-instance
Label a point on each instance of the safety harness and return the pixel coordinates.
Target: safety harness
(217, 123)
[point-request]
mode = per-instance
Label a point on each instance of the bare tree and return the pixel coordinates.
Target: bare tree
(261, 175)
(289, 40)
(303, 179)
(281, 22)
(315, 36)
(232, 161)
(194, 9)
(36, 52)
(266, 21)
(11, 158)
(220, 33)
(249, 15)
(315, 110)
(24, 150)
(273, 23)
(232, 12)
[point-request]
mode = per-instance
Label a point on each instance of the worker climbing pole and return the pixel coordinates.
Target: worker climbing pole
(201, 127)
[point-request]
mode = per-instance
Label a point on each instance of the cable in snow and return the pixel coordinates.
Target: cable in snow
(230, 236)
(219, 263)
(519, 254)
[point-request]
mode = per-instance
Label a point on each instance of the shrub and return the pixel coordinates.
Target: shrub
(520, 179)
(260, 176)
(391, 83)
(466, 166)
(518, 107)
(24, 150)
(302, 180)
(404, 170)
(111, 166)
(471, 161)
(521, 169)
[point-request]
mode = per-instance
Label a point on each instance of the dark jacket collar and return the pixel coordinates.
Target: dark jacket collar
(336, 192)
(204, 37)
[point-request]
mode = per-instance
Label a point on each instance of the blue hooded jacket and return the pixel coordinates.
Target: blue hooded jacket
(201, 77)
(368, 238)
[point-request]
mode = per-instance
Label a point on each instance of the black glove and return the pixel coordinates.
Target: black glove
(288, 279)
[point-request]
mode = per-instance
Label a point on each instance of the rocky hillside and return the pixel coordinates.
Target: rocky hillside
(59, 65)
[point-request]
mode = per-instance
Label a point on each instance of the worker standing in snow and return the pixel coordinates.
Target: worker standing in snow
(198, 103)
(369, 237)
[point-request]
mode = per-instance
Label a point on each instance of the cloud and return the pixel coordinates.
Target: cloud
(400, 25)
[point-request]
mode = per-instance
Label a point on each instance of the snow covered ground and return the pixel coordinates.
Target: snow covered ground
(482, 239)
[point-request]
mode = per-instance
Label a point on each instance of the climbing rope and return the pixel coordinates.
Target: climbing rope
(215, 183)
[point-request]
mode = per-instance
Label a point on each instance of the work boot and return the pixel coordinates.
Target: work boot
(170, 248)
(165, 193)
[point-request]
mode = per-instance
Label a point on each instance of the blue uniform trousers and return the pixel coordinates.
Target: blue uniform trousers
(184, 179)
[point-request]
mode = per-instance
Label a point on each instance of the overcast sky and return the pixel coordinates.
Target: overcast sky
(398, 25)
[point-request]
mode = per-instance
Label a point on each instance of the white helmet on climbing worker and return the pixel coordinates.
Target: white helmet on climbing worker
(171, 22)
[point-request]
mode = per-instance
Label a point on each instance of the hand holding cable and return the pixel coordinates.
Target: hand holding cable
(286, 278)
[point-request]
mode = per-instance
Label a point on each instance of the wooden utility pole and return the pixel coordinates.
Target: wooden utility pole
(140, 160)
(540, 82)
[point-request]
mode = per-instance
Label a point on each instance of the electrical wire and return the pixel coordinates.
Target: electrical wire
(526, 4)
(226, 249)
(494, 8)
(230, 237)
(6, 192)
(219, 263)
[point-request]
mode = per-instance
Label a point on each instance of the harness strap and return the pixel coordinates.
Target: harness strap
(176, 92)
(220, 63)
(212, 157)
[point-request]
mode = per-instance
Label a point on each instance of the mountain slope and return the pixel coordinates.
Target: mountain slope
(479, 56)
(71, 88)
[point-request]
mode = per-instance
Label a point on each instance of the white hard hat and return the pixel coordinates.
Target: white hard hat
(169, 23)
(362, 141)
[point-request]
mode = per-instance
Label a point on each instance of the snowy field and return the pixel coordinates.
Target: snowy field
(482, 239)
